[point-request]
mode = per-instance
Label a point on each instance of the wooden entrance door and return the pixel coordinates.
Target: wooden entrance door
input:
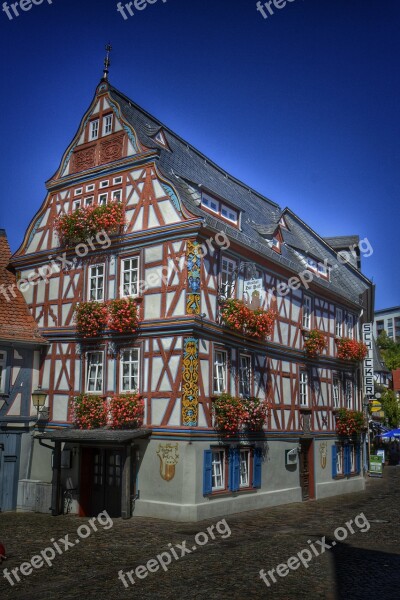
(101, 481)
(307, 469)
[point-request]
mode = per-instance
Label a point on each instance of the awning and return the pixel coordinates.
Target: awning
(95, 436)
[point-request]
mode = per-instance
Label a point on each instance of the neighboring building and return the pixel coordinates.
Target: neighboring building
(21, 352)
(388, 319)
(382, 375)
(207, 233)
(396, 382)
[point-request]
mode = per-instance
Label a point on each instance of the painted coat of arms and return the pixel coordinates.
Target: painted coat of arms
(168, 455)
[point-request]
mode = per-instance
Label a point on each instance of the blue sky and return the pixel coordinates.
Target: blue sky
(302, 106)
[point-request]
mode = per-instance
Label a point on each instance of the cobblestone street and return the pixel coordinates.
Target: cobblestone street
(365, 565)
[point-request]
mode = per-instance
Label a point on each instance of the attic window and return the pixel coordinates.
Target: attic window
(94, 130)
(107, 124)
(223, 210)
(282, 223)
(276, 243)
(160, 138)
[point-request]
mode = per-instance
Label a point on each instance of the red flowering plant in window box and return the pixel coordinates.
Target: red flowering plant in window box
(123, 315)
(127, 411)
(349, 422)
(232, 414)
(228, 413)
(89, 412)
(255, 412)
(84, 223)
(91, 318)
(239, 317)
(315, 343)
(349, 349)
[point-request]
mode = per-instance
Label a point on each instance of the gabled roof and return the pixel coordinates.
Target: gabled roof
(191, 172)
(16, 322)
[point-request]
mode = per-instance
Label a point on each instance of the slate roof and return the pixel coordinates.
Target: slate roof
(191, 171)
(16, 322)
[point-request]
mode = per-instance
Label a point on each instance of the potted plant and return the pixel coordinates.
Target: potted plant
(84, 223)
(91, 318)
(127, 411)
(349, 422)
(123, 315)
(236, 315)
(255, 412)
(89, 411)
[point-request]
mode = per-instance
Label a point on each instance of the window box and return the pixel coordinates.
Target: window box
(258, 324)
(315, 343)
(233, 414)
(91, 318)
(349, 349)
(126, 411)
(86, 222)
(349, 422)
(89, 411)
(123, 315)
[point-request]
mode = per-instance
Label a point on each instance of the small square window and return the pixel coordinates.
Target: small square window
(103, 199)
(104, 184)
(90, 188)
(117, 180)
(116, 195)
(78, 192)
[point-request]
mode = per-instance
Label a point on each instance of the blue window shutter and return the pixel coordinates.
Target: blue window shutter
(257, 466)
(334, 457)
(358, 458)
(207, 473)
(234, 469)
(347, 460)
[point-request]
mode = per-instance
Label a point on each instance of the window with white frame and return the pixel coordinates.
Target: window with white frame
(210, 202)
(3, 367)
(76, 204)
(117, 180)
(78, 192)
(349, 393)
(336, 392)
(94, 372)
(303, 388)
(276, 243)
(339, 323)
(90, 188)
(218, 470)
(104, 184)
(353, 458)
(245, 456)
(219, 371)
(245, 375)
(339, 459)
(89, 201)
(103, 199)
(229, 213)
(307, 309)
(107, 124)
(116, 195)
(96, 282)
(350, 325)
(228, 268)
(129, 276)
(94, 130)
(130, 370)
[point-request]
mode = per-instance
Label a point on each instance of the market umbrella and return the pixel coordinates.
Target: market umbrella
(391, 433)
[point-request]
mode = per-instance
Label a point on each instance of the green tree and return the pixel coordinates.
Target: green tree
(391, 407)
(390, 351)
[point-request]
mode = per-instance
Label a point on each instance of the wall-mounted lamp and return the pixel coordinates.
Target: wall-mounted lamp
(39, 399)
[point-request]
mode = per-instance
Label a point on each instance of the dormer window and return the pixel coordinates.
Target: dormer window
(276, 243)
(94, 130)
(282, 223)
(160, 138)
(223, 210)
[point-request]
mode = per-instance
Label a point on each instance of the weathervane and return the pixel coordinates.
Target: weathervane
(107, 61)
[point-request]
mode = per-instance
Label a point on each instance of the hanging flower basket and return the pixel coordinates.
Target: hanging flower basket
(348, 349)
(239, 317)
(123, 315)
(315, 343)
(232, 414)
(127, 411)
(349, 422)
(89, 412)
(84, 223)
(91, 318)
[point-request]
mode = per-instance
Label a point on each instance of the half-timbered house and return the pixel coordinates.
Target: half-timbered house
(194, 236)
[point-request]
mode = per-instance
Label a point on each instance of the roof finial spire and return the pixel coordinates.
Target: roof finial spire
(107, 61)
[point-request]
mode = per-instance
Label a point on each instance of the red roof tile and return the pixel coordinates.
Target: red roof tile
(16, 322)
